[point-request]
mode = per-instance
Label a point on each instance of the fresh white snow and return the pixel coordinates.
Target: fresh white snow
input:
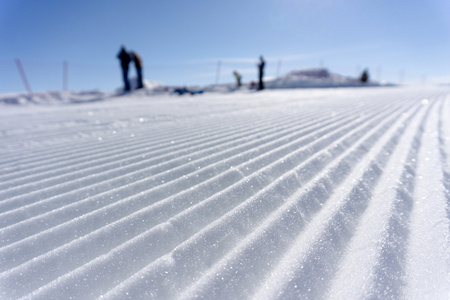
(280, 194)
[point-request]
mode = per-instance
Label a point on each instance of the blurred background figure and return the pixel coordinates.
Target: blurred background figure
(125, 59)
(238, 78)
(364, 76)
(138, 64)
(261, 73)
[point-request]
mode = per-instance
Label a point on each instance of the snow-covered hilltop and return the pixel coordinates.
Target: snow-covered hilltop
(285, 194)
(309, 78)
(315, 78)
(74, 97)
(58, 97)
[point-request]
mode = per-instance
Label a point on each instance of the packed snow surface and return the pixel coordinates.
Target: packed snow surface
(281, 194)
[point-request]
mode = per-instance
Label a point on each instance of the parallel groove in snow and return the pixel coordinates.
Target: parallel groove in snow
(97, 282)
(240, 154)
(99, 154)
(41, 240)
(318, 240)
(368, 241)
(305, 205)
(429, 218)
(16, 200)
(138, 158)
(141, 162)
(62, 148)
(290, 201)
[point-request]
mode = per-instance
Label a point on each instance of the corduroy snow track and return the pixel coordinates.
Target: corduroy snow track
(287, 194)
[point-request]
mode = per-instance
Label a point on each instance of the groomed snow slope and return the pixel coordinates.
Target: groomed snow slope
(319, 194)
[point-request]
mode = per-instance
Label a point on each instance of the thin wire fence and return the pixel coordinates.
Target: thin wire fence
(24, 75)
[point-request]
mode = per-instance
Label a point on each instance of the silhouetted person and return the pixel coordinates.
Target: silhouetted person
(238, 78)
(364, 76)
(125, 59)
(261, 73)
(138, 64)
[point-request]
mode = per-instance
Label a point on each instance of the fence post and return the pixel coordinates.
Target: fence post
(24, 76)
(218, 72)
(65, 75)
(279, 67)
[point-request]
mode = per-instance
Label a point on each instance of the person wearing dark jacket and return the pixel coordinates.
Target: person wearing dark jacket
(261, 73)
(138, 64)
(125, 59)
(364, 77)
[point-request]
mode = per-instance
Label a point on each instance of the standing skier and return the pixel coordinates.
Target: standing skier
(238, 78)
(124, 58)
(138, 64)
(261, 73)
(365, 76)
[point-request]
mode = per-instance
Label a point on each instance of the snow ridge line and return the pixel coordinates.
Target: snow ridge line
(327, 248)
(83, 147)
(164, 268)
(102, 260)
(389, 272)
(298, 214)
(72, 208)
(42, 244)
(167, 135)
(60, 157)
(309, 276)
(22, 210)
(307, 212)
(428, 241)
(126, 120)
(355, 270)
(69, 165)
(141, 162)
(17, 199)
(197, 123)
(444, 143)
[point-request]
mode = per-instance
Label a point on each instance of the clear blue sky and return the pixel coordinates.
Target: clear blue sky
(182, 41)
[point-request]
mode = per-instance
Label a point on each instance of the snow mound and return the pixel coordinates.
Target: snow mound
(74, 97)
(308, 78)
(149, 85)
(57, 97)
(315, 78)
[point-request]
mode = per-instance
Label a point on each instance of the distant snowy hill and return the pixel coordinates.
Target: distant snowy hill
(315, 78)
(308, 78)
